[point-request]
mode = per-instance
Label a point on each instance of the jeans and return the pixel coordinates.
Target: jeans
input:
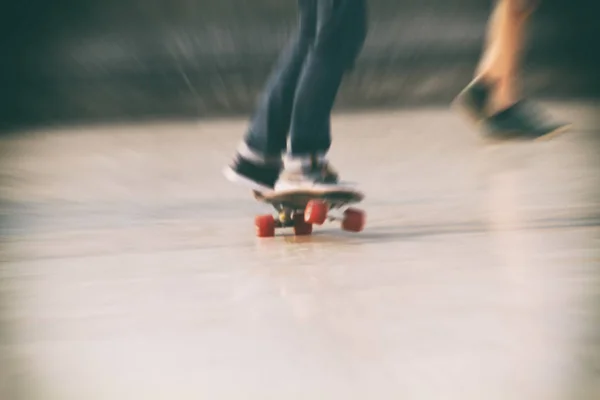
(301, 91)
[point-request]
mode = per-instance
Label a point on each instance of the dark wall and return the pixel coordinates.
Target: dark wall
(89, 60)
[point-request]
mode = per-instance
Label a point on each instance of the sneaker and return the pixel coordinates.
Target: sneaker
(521, 121)
(473, 100)
(258, 176)
(308, 174)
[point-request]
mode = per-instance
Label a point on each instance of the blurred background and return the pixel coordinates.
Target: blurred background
(129, 267)
(81, 61)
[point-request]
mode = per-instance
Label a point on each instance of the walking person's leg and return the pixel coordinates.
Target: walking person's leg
(493, 97)
(258, 159)
(341, 31)
(499, 64)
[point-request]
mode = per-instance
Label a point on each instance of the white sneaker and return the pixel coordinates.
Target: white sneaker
(311, 174)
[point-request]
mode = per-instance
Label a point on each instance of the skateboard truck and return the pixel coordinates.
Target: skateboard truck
(302, 220)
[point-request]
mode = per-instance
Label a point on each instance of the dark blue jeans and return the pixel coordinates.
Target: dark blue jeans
(301, 91)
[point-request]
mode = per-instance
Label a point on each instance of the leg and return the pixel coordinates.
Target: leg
(258, 161)
(493, 96)
(270, 125)
(341, 33)
(500, 62)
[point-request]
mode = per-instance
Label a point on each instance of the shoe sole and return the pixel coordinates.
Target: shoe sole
(516, 137)
(316, 190)
(553, 134)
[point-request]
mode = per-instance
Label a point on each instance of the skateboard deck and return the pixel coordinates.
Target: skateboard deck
(298, 199)
(301, 209)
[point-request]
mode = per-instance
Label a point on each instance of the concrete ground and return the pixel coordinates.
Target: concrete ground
(129, 267)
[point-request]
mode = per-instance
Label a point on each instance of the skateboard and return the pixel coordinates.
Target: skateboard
(301, 209)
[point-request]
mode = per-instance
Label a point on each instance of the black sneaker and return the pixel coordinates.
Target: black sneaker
(521, 121)
(257, 176)
(473, 100)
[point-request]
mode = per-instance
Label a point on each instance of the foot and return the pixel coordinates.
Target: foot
(473, 100)
(256, 174)
(308, 173)
(521, 121)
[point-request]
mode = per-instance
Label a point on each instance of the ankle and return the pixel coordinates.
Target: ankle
(304, 161)
(499, 103)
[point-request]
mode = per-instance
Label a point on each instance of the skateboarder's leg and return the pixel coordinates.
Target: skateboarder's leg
(268, 131)
(341, 33)
(493, 96)
(258, 160)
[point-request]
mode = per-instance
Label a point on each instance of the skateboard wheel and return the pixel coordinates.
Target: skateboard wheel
(354, 220)
(301, 227)
(265, 226)
(315, 212)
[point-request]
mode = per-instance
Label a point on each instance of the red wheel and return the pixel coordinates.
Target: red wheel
(354, 220)
(301, 227)
(315, 212)
(265, 226)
